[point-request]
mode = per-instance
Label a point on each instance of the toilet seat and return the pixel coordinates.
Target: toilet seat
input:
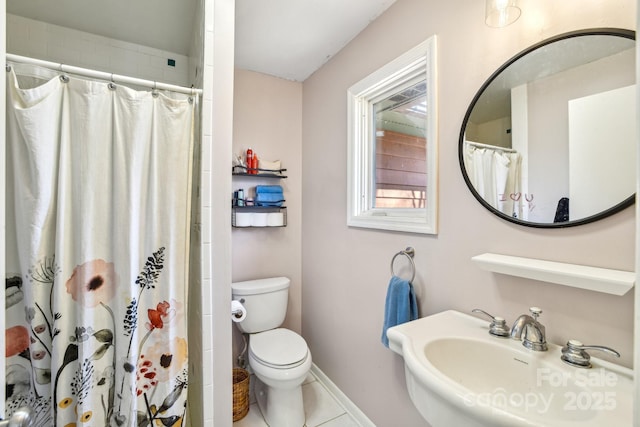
(278, 348)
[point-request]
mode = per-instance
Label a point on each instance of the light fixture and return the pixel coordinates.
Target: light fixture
(500, 13)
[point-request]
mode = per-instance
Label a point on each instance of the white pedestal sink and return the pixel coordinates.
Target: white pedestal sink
(459, 375)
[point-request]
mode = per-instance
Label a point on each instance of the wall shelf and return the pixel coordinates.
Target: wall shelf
(260, 173)
(258, 216)
(614, 282)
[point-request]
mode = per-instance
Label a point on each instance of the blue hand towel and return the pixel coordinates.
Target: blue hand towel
(268, 189)
(269, 199)
(400, 306)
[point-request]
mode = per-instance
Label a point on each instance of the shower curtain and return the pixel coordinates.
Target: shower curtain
(98, 210)
(495, 174)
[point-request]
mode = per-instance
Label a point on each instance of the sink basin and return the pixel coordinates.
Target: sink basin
(458, 374)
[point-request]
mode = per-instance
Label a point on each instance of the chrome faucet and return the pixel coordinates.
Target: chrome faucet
(531, 332)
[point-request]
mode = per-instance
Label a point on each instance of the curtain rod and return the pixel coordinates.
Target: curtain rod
(491, 147)
(115, 78)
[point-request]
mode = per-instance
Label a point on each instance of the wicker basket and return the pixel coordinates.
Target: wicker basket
(240, 393)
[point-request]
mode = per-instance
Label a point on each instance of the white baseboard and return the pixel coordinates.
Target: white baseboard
(342, 398)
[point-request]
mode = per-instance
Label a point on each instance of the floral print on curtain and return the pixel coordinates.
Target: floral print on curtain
(96, 307)
(92, 285)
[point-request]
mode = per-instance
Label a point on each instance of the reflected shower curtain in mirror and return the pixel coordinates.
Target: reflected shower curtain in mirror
(495, 175)
(98, 217)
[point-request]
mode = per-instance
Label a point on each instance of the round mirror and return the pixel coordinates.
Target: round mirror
(549, 140)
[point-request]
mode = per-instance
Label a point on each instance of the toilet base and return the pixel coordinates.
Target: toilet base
(280, 407)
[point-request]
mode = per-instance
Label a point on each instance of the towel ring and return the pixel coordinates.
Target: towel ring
(409, 253)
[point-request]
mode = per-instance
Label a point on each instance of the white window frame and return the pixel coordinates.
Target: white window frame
(361, 141)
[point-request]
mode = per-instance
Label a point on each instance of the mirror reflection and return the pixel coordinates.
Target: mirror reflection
(549, 140)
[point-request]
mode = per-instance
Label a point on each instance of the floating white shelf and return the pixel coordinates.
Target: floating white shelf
(615, 282)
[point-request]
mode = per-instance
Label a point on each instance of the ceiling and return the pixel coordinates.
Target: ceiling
(284, 38)
(292, 38)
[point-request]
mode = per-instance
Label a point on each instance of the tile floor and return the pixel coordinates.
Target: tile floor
(320, 407)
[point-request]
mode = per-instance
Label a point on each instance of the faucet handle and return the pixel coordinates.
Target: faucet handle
(574, 353)
(498, 326)
(535, 312)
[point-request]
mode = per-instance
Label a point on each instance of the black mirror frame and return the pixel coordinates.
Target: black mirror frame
(618, 32)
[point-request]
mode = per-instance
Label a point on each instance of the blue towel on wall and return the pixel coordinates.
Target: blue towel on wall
(400, 306)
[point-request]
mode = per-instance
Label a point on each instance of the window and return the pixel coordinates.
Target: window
(392, 165)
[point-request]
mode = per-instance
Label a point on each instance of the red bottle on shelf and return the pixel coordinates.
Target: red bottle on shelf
(249, 160)
(254, 165)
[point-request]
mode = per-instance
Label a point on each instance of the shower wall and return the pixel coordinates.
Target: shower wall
(195, 328)
(217, 134)
(41, 40)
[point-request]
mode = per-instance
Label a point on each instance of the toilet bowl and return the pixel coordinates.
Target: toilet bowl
(281, 361)
(279, 357)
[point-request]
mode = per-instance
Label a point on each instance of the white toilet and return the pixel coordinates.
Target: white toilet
(279, 357)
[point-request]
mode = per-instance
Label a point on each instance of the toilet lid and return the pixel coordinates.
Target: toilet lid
(278, 348)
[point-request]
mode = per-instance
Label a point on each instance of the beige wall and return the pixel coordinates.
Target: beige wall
(346, 270)
(268, 118)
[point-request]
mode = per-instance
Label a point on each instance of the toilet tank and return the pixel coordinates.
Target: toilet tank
(265, 301)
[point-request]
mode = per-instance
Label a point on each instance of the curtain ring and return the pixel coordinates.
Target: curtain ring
(7, 67)
(112, 84)
(63, 78)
